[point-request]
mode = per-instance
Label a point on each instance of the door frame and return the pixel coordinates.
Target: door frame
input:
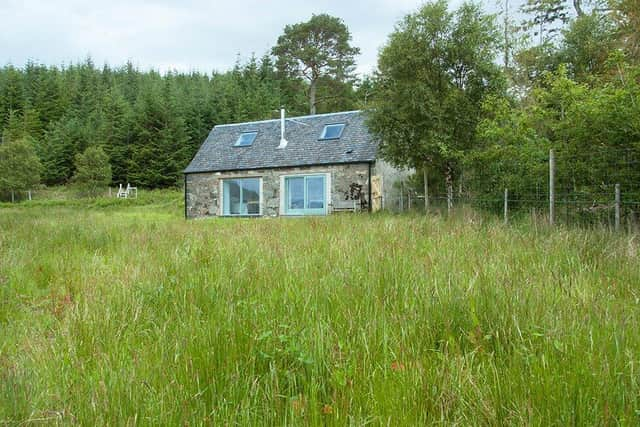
(301, 212)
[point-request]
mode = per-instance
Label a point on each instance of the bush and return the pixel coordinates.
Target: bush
(20, 167)
(93, 171)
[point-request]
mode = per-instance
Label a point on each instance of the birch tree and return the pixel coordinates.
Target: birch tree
(434, 73)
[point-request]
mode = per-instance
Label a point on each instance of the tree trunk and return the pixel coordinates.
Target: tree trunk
(312, 96)
(13, 197)
(506, 35)
(577, 5)
(448, 178)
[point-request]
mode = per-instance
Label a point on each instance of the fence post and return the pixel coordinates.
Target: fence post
(617, 207)
(401, 196)
(552, 172)
(506, 206)
(426, 191)
(409, 200)
(29, 192)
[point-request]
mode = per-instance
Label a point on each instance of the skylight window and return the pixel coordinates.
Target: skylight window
(246, 139)
(333, 131)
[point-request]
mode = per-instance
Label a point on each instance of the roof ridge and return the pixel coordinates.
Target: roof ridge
(308, 116)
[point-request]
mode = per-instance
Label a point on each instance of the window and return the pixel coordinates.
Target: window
(332, 131)
(246, 139)
(305, 195)
(241, 196)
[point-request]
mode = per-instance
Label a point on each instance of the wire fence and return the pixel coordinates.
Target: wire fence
(563, 188)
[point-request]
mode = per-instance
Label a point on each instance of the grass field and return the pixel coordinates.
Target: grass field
(118, 313)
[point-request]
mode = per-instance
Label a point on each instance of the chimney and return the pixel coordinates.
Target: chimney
(283, 142)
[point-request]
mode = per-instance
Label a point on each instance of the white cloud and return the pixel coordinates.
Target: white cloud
(183, 35)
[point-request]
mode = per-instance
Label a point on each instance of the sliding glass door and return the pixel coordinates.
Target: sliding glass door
(241, 196)
(305, 195)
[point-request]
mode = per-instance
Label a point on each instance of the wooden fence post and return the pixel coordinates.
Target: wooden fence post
(617, 207)
(506, 205)
(29, 192)
(401, 196)
(426, 192)
(552, 172)
(409, 200)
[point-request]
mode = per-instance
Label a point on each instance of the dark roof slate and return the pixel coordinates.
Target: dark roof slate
(304, 147)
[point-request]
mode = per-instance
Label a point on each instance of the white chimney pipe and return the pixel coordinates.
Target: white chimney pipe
(283, 142)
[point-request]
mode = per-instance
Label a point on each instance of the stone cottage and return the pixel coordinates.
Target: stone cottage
(309, 165)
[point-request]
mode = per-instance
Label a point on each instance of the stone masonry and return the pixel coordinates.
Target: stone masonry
(348, 182)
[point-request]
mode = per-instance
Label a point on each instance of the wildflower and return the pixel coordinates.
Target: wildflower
(327, 409)
(397, 366)
(299, 404)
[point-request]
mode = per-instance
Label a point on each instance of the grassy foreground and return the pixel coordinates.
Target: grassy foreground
(116, 314)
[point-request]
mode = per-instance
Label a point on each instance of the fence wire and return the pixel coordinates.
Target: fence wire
(584, 191)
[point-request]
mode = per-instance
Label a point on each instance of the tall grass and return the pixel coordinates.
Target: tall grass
(131, 315)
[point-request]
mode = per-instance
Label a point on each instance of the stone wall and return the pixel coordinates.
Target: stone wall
(348, 182)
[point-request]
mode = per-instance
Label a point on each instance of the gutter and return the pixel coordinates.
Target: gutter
(279, 167)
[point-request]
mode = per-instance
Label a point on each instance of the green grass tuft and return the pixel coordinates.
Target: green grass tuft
(120, 312)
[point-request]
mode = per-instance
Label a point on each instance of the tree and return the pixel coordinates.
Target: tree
(627, 15)
(13, 129)
(587, 44)
(316, 50)
(114, 132)
(11, 92)
(545, 18)
(594, 129)
(150, 125)
(64, 139)
(161, 141)
(20, 167)
(93, 171)
(433, 75)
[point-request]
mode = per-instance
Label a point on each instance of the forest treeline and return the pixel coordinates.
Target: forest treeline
(149, 124)
(473, 100)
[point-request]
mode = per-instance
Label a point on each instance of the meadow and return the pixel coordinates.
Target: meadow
(122, 313)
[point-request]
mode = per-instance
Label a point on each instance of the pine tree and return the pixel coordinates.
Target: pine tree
(31, 124)
(316, 51)
(114, 133)
(161, 141)
(47, 96)
(13, 128)
(63, 141)
(11, 92)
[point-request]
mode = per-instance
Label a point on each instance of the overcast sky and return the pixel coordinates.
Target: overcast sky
(184, 35)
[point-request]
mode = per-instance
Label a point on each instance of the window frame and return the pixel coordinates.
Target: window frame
(323, 134)
(240, 178)
(284, 195)
(251, 132)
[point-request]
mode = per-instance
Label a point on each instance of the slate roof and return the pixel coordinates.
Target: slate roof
(304, 147)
